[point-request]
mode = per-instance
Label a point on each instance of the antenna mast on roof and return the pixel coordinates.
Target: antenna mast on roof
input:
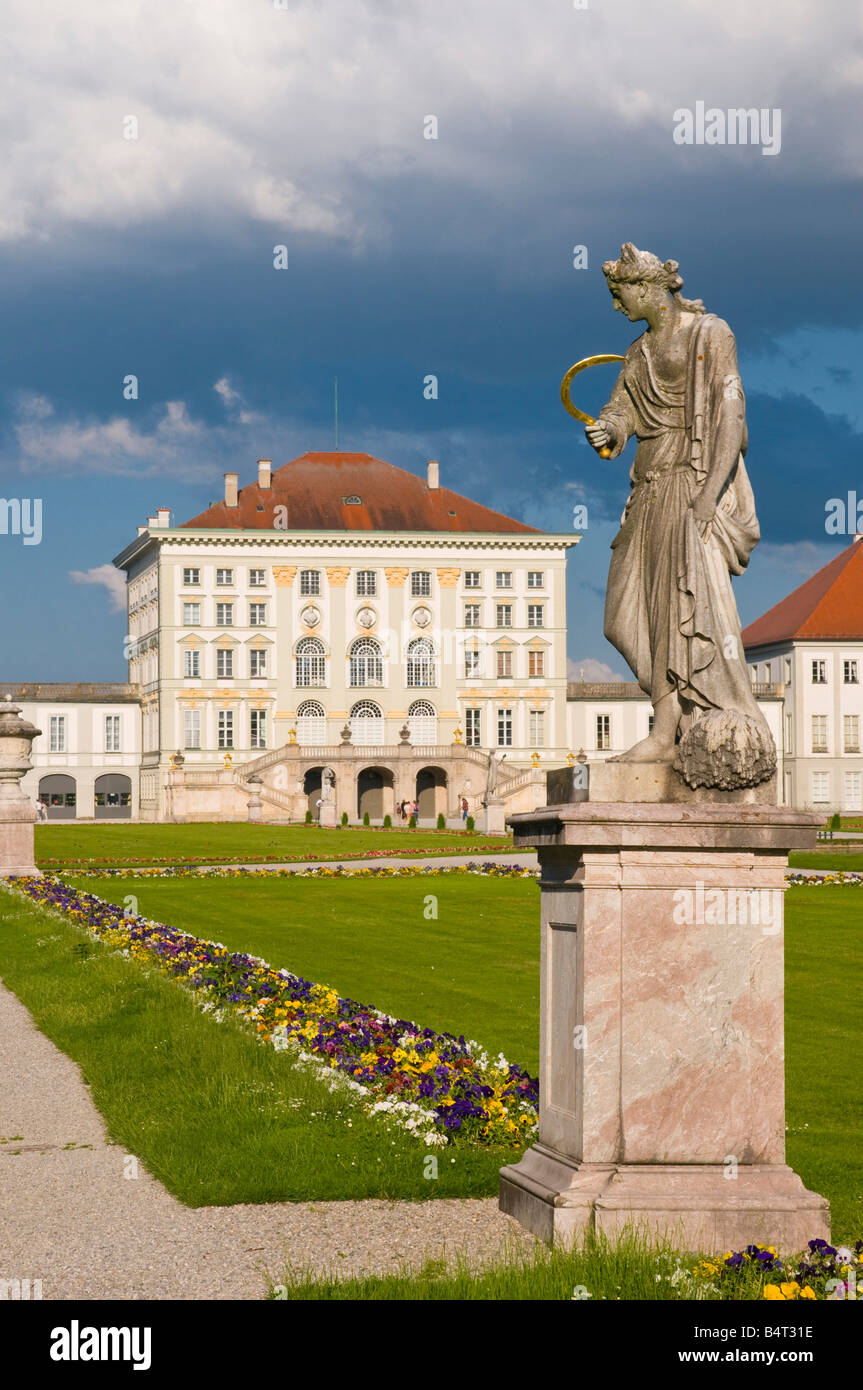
(336, 410)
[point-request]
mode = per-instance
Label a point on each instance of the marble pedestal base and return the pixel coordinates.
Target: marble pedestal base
(495, 818)
(17, 818)
(662, 1101)
(699, 1207)
(328, 813)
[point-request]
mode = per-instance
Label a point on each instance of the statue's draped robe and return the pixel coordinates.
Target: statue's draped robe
(669, 608)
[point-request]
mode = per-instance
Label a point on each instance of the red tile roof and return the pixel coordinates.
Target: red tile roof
(313, 488)
(828, 606)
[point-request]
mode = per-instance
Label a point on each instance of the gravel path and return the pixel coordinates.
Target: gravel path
(70, 1217)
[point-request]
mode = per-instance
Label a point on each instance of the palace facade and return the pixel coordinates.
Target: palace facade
(347, 610)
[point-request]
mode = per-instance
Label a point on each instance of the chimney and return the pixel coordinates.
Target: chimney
(231, 480)
(433, 474)
(141, 530)
(265, 473)
(164, 515)
(152, 521)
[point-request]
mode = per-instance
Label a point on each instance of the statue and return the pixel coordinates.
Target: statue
(495, 759)
(688, 525)
(328, 782)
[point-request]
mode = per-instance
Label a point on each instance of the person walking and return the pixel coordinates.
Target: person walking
(464, 808)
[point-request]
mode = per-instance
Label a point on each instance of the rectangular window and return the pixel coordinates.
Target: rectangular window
(257, 579)
(819, 733)
(471, 615)
(57, 734)
(472, 727)
(367, 584)
(224, 615)
(224, 576)
(504, 615)
(192, 663)
(849, 673)
(504, 728)
(257, 615)
(421, 584)
(192, 728)
(191, 576)
(503, 579)
(535, 615)
(535, 579)
(537, 728)
(472, 579)
(257, 662)
(472, 663)
(603, 731)
(851, 733)
(536, 663)
(112, 733)
(504, 665)
(820, 786)
(819, 673)
(224, 663)
(853, 791)
(191, 614)
(787, 670)
(310, 582)
(258, 728)
(226, 728)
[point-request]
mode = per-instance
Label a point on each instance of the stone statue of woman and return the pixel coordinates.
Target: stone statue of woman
(688, 525)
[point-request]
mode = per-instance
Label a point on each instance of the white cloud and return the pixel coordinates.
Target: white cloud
(288, 116)
(588, 669)
(109, 578)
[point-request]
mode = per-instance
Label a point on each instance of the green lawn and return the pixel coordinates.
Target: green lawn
(67, 846)
(473, 969)
(824, 859)
(215, 1115)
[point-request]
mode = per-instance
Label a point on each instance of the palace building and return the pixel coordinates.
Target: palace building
(341, 612)
(359, 617)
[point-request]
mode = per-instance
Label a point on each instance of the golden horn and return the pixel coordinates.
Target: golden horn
(604, 452)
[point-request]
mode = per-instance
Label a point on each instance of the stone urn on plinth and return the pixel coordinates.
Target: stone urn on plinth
(17, 815)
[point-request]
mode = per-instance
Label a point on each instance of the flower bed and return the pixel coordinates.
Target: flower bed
(823, 1271)
(489, 869)
(799, 879)
(435, 1086)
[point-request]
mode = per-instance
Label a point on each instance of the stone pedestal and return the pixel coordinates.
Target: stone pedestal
(662, 1027)
(495, 818)
(328, 813)
(17, 815)
(254, 805)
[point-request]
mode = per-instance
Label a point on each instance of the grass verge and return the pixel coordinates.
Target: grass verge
(213, 1114)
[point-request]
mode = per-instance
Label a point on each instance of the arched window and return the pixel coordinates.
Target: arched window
(422, 723)
(366, 663)
(366, 723)
(311, 662)
(421, 662)
(311, 723)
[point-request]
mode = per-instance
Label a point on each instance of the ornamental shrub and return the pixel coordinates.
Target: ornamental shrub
(412, 823)
(470, 823)
(835, 822)
(366, 819)
(344, 817)
(441, 821)
(308, 817)
(388, 822)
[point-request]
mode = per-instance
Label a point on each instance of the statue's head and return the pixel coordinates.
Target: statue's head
(639, 278)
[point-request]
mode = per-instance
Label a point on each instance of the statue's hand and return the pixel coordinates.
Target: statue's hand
(704, 510)
(600, 435)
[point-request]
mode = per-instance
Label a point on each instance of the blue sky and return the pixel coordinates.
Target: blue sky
(303, 126)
